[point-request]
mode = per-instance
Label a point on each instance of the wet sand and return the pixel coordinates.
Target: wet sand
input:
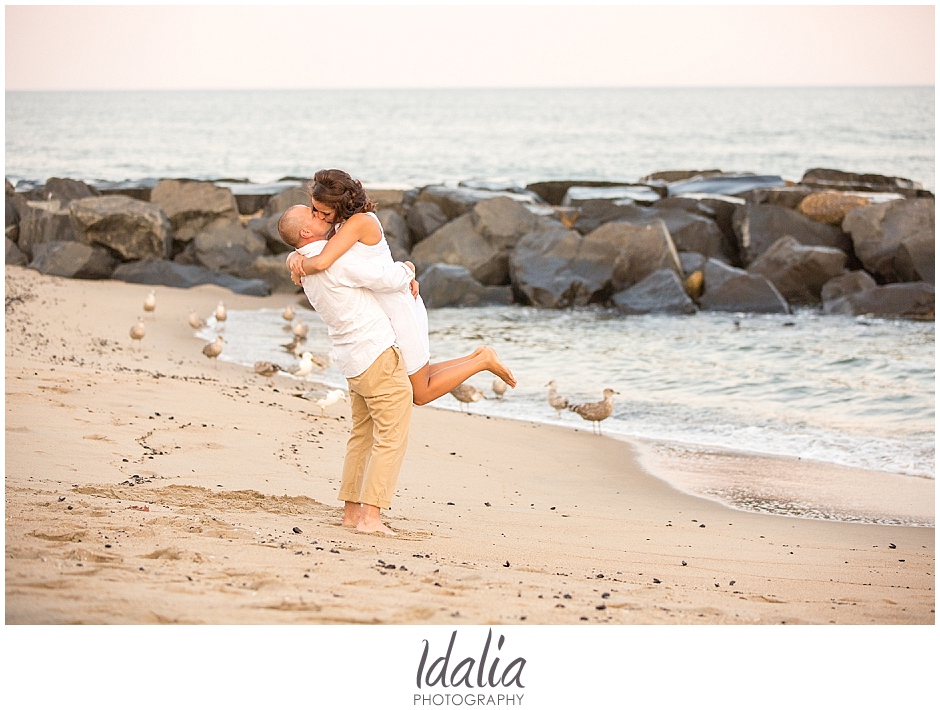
(502, 522)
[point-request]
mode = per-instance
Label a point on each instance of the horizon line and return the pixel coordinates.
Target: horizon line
(480, 88)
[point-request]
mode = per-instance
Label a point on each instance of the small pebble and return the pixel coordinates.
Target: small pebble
(70, 507)
(890, 544)
(449, 503)
(684, 563)
(298, 530)
(61, 498)
(487, 505)
(657, 581)
(506, 563)
(731, 583)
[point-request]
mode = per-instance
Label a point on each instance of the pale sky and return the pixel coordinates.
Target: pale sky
(391, 46)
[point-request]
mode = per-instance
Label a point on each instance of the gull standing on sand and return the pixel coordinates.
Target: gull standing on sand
(300, 329)
(267, 369)
(332, 397)
(499, 387)
(195, 322)
(138, 331)
(220, 314)
(596, 411)
(213, 350)
(557, 401)
(150, 303)
(465, 394)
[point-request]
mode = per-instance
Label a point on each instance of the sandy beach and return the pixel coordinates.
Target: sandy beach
(155, 486)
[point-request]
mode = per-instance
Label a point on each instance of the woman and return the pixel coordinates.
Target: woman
(340, 201)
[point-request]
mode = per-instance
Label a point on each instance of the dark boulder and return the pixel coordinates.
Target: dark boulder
(136, 189)
(65, 190)
(724, 184)
(456, 201)
(132, 228)
(444, 285)
(904, 300)
(679, 175)
(799, 272)
(45, 222)
(716, 272)
(789, 197)
(272, 269)
(895, 240)
(266, 228)
(502, 221)
(284, 198)
(392, 197)
(758, 226)
(546, 270)
(72, 260)
(459, 244)
(425, 218)
(593, 213)
(230, 248)
(632, 251)
(397, 233)
(846, 284)
(641, 194)
(554, 191)
(193, 206)
(827, 179)
(691, 261)
(743, 293)
(660, 292)
(14, 256)
(159, 272)
(250, 197)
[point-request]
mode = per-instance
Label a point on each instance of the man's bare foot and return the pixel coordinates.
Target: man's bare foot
(496, 366)
(352, 514)
(375, 527)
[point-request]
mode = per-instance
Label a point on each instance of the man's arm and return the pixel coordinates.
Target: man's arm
(364, 273)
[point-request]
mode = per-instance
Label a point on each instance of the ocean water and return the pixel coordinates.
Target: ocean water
(851, 391)
(421, 137)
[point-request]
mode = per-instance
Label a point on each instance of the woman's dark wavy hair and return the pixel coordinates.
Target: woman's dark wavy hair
(340, 191)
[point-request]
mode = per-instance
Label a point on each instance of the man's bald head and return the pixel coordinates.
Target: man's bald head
(292, 222)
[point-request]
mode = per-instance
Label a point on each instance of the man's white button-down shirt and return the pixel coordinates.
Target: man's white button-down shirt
(342, 296)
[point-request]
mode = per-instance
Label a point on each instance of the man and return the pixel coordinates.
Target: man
(363, 343)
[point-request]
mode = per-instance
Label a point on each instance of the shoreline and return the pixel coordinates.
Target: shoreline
(503, 521)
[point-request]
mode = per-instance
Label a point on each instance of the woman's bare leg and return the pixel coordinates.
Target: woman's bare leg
(428, 386)
(435, 366)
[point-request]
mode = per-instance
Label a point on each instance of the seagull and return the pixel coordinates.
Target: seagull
(195, 322)
(213, 350)
(558, 402)
(150, 303)
(596, 411)
(137, 330)
(466, 394)
(267, 369)
(332, 397)
(292, 346)
(305, 367)
(499, 387)
(300, 329)
(288, 313)
(220, 314)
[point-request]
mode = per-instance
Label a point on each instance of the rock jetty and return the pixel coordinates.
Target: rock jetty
(673, 242)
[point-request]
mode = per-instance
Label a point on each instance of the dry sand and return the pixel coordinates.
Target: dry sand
(502, 522)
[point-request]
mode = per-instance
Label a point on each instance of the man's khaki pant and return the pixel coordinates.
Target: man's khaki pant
(381, 399)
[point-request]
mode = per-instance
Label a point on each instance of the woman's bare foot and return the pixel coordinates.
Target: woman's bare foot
(495, 365)
(352, 514)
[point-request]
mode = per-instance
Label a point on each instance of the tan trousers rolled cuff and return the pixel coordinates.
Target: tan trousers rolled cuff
(381, 402)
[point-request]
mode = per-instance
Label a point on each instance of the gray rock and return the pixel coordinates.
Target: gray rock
(554, 191)
(459, 244)
(631, 251)
(10, 189)
(251, 197)
(678, 175)
(895, 240)
(717, 273)
(65, 190)
(502, 221)
(724, 184)
(137, 189)
(395, 198)
(72, 260)
(799, 272)
(758, 226)
(159, 272)
(594, 213)
(132, 228)
(287, 197)
(846, 284)
(272, 269)
(14, 256)
(641, 194)
(904, 300)
(691, 261)
(544, 270)
(229, 248)
(45, 222)
(660, 292)
(396, 232)
(825, 178)
(425, 218)
(695, 232)
(266, 228)
(743, 293)
(193, 206)
(789, 197)
(456, 201)
(444, 285)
